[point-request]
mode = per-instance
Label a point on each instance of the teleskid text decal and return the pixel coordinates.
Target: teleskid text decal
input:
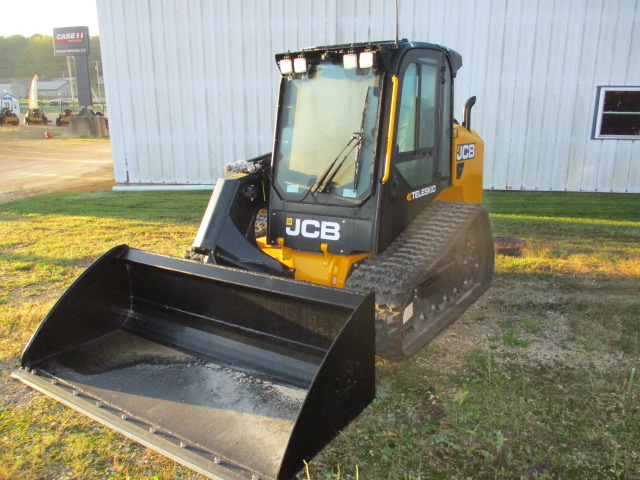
(421, 193)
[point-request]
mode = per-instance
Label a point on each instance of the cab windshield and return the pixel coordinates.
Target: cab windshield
(326, 132)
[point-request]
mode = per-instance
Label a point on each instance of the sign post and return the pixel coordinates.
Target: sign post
(74, 42)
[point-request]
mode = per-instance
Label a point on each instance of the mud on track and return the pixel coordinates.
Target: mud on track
(30, 164)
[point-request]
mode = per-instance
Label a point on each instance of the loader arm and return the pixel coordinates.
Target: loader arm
(227, 232)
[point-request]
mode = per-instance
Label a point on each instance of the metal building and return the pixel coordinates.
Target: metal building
(192, 84)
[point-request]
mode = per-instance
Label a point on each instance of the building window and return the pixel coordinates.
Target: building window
(617, 113)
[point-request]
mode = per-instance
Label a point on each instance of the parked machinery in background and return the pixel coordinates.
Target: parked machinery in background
(63, 118)
(35, 117)
(7, 117)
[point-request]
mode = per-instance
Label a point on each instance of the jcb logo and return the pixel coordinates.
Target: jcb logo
(466, 151)
(313, 229)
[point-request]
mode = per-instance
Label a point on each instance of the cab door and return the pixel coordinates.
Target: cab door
(422, 138)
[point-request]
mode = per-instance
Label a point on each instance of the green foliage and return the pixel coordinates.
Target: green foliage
(584, 206)
(22, 57)
(510, 338)
(531, 324)
(148, 206)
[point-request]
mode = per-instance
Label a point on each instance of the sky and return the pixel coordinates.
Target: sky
(28, 17)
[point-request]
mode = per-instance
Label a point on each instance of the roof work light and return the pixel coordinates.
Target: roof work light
(350, 61)
(300, 64)
(286, 66)
(366, 59)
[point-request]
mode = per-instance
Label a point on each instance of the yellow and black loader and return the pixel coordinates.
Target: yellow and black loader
(362, 233)
(8, 117)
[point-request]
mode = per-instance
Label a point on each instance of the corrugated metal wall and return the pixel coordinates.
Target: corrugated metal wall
(191, 84)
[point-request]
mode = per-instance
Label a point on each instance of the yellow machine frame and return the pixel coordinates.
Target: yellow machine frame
(326, 268)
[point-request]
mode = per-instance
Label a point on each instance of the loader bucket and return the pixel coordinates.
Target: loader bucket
(233, 374)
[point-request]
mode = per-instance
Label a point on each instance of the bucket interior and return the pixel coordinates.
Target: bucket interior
(220, 360)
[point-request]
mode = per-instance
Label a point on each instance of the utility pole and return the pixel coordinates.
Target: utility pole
(98, 79)
(73, 98)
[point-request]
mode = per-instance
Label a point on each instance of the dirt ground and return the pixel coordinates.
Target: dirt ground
(31, 164)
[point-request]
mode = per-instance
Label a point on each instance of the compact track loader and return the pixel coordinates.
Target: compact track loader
(35, 117)
(63, 118)
(7, 117)
(363, 232)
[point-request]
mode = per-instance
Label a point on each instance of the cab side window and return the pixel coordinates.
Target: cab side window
(428, 105)
(408, 116)
(418, 126)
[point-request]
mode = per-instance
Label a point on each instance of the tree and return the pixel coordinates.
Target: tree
(21, 57)
(11, 52)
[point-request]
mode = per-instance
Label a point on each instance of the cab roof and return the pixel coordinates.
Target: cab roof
(388, 49)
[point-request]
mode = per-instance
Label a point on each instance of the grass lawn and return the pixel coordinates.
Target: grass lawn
(538, 380)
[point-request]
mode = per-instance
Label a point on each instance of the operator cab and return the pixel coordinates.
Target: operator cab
(360, 140)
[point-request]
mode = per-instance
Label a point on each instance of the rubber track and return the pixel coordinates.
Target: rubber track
(408, 262)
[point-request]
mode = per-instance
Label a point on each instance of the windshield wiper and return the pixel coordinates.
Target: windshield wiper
(329, 174)
(356, 168)
(324, 180)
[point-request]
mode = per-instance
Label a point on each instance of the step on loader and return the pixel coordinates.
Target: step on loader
(362, 233)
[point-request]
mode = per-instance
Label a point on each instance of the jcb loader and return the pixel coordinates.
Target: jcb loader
(363, 232)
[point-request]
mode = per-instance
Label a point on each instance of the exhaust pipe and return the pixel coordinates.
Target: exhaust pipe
(466, 112)
(233, 374)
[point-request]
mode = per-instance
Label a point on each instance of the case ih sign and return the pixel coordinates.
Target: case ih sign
(71, 41)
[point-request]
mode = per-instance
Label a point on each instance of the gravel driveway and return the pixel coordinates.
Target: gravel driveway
(31, 164)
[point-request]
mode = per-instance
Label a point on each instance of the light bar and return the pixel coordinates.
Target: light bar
(366, 59)
(350, 61)
(300, 64)
(286, 66)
